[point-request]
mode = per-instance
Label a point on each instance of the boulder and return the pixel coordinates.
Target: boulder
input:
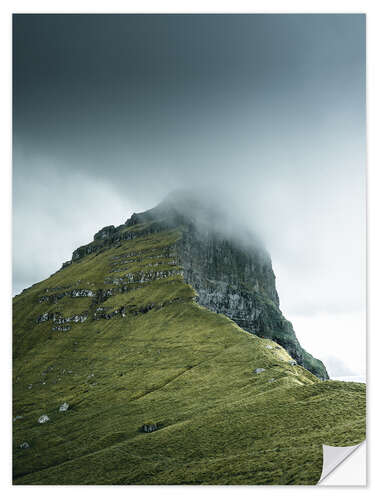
(24, 445)
(43, 419)
(259, 370)
(64, 407)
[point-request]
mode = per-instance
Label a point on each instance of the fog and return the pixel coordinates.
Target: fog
(264, 113)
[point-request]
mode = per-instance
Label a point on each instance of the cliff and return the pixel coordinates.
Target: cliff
(226, 265)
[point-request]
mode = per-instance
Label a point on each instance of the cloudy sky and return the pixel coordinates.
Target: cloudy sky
(112, 112)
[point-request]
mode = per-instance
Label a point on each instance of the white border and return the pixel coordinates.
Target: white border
(348, 470)
(193, 6)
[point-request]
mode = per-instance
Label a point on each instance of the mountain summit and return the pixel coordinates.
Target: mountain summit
(158, 355)
(225, 264)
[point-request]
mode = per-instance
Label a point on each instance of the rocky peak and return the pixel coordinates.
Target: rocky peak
(224, 262)
(104, 233)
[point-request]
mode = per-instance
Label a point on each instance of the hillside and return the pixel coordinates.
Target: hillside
(120, 335)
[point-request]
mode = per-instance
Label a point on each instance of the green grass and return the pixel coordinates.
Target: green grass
(187, 369)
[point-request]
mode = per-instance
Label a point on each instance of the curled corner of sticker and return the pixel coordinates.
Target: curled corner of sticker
(333, 456)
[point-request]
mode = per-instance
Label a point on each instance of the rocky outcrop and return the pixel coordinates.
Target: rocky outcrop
(53, 298)
(144, 277)
(101, 313)
(105, 233)
(150, 427)
(107, 237)
(57, 318)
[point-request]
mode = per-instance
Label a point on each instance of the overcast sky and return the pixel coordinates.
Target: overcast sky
(112, 112)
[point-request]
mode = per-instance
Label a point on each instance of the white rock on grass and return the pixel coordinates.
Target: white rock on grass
(292, 362)
(259, 370)
(43, 419)
(64, 407)
(24, 445)
(269, 346)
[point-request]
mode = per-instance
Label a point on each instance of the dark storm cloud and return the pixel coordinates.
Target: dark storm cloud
(183, 96)
(111, 112)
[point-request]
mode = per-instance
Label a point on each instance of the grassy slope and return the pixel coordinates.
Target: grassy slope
(179, 365)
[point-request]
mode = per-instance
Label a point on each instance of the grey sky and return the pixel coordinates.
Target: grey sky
(111, 112)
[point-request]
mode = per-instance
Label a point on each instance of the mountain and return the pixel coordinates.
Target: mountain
(159, 355)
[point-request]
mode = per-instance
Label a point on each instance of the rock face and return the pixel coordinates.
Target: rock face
(232, 274)
(226, 265)
(240, 283)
